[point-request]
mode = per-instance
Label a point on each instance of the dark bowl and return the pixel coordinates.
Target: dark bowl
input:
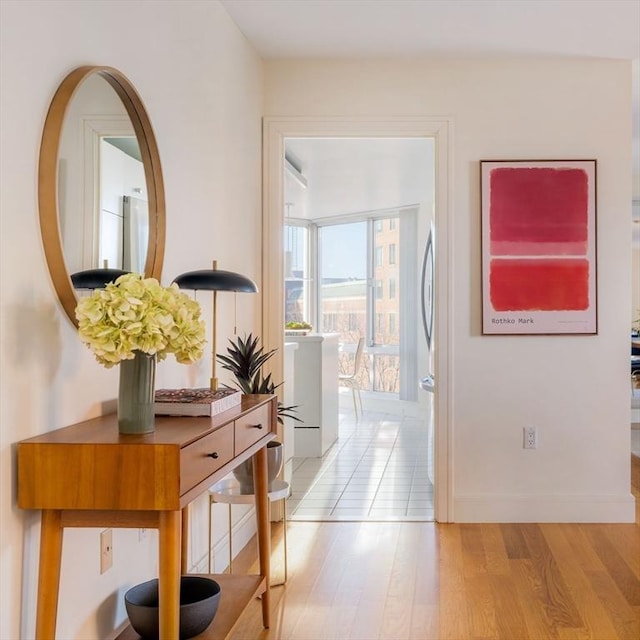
(199, 598)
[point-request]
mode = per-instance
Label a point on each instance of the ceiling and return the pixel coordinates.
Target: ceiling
(337, 28)
(400, 28)
(405, 28)
(356, 175)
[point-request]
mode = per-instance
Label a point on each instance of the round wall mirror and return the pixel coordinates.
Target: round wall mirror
(100, 192)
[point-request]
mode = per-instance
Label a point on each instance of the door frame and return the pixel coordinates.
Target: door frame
(275, 131)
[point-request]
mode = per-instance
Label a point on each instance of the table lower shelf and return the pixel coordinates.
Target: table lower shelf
(237, 591)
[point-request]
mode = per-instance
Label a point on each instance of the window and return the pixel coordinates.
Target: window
(342, 275)
(358, 292)
(296, 281)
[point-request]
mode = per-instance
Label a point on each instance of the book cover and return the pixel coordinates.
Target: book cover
(195, 402)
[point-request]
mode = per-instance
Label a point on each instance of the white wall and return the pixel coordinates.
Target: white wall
(575, 390)
(202, 87)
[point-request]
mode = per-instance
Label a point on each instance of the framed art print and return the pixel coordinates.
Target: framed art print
(538, 246)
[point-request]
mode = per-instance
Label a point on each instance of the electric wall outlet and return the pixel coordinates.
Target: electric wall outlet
(142, 534)
(106, 550)
(530, 438)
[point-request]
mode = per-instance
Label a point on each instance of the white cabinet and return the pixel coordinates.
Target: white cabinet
(289, 399)
(315, 392)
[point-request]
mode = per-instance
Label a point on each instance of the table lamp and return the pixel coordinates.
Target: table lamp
(215, 280)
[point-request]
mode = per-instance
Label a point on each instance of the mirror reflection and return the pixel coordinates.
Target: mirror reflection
(102, 192)
(100, 187)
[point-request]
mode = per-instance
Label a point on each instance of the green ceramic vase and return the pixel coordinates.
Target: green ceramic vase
(136, 394)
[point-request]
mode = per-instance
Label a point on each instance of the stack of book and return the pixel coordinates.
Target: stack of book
(195, 402)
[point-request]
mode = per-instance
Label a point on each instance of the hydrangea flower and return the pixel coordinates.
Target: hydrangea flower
(139, 314)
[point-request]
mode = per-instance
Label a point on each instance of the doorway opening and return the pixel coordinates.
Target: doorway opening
(356, 217)
(277, 131)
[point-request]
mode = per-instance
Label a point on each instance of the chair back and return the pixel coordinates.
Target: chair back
(358, 357)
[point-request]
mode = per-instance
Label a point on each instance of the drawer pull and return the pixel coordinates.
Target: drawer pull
(213, 455)
(257, 426)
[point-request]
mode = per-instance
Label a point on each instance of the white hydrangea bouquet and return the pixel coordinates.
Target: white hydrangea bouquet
(136, 314)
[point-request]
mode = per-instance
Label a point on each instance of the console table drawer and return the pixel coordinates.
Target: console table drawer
(250, 428)
(205, 456)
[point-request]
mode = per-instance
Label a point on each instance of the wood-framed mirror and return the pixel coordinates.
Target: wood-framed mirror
(100, 187)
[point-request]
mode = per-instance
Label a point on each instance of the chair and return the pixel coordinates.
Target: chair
(351, 380)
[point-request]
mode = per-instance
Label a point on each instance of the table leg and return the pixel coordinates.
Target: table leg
(184, 547)
(264, 528)
(49, 574)
(284, 524)
(169, 573)
(230, 540)
(209, 535)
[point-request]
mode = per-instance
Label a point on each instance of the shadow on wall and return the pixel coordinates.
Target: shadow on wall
(34, 337)
(35, 354)
(108, 617)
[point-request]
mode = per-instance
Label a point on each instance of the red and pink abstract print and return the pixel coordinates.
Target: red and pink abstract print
(538, 246)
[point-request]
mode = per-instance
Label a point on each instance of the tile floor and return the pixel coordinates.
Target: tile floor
(377, 470)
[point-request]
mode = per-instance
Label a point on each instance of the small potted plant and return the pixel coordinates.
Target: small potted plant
(245, 359)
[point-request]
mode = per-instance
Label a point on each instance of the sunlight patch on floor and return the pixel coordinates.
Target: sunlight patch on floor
(376, 471)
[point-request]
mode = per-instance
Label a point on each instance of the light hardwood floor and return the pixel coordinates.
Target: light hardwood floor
(411, 580)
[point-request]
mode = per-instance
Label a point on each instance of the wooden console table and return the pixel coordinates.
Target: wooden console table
(88, 475)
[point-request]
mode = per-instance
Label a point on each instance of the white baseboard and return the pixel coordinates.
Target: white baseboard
(115, 634)
(544, 508)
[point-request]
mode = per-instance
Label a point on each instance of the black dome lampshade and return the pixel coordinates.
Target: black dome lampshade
(215, 280)
(95, 278)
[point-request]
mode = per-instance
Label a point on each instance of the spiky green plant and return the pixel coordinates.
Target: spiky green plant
(245, 359)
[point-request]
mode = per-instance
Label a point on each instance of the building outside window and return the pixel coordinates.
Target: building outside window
(379, 256)
(357, 294)
(392, 287)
